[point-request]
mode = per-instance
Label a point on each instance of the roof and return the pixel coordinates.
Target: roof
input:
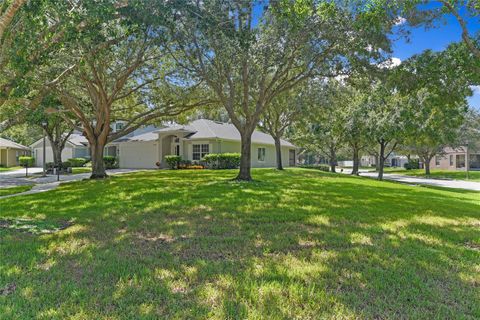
(149, 136)
(10, 144)
(208, 129)
(75, 140)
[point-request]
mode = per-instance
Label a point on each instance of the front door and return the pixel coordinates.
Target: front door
(291, 158)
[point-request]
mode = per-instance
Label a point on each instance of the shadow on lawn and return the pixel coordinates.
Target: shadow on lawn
(196, 245)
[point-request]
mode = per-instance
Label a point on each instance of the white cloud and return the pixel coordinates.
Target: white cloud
(400, 21)
(390, 63)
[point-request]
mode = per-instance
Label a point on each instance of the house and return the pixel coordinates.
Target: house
(75, 147)
(393, 160)
(193, 141)
(455, 159)
(10, 152)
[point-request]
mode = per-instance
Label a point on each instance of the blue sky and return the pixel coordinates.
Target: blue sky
(437, 39)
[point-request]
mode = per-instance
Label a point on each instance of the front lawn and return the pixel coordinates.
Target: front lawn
(441, 174)
(299, 244)
(13, 190)
(4, 169)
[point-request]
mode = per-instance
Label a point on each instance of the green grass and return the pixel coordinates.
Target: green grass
(441, 174)
(299, 244)
(81, 170)
(13, 190)
(4, 169)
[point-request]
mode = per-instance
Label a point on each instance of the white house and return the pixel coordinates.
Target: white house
(193, 141)
(75, 147)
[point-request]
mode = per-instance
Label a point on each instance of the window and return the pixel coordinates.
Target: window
(200, 151)
(460, 161)
(437, 161)
(119, 126)
(451, 160)
(261, 154)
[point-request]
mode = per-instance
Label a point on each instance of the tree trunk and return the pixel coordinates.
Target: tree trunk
(333, 160)
(278, 149)
(377, 163)
(245, 158)
(426, 160)
(381, 159)
(356, 161)
(57, 154)
(98, 166)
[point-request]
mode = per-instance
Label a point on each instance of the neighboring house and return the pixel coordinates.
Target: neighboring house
(393, 160)
(75, 147)
(455, 159)
(10, 152)
(193, 141)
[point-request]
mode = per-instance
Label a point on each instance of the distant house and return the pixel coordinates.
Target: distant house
(10, 152)
(393, 160)
(193, 141)
(75, 147)
(455, 159)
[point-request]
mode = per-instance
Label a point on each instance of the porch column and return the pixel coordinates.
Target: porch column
(159, 149)
(8, 156)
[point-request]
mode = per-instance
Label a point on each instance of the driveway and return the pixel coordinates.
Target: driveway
(456, 184)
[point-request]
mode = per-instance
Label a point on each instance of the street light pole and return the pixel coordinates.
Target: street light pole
(44, 125)
(467, 160)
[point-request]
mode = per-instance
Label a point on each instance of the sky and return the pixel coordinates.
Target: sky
(436, 39)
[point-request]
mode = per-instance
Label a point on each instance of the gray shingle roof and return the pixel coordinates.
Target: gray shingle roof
(208, 129)
(10, 144)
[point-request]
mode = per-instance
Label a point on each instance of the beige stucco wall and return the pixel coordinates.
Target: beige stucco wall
(8, 157)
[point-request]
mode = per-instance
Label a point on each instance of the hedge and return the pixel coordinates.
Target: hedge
(173, 161)
(26, 161)
(222, 160)
(110, 162)
(77, 162)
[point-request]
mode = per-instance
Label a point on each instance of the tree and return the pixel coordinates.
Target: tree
(321, 130)
(437, 91)
(57, 130)
(352, 104)
(249, 53)
(124, 75)
(31, 34)
(284, 110)
(387, 121)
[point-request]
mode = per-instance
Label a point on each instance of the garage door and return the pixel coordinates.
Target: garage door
(138, 155)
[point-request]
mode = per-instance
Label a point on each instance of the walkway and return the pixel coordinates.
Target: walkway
(42, 184)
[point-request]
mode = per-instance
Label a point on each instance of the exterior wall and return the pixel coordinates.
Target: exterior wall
(234, 147)
(138, 155)
(67, 153)
(9, 157)
(445, 164)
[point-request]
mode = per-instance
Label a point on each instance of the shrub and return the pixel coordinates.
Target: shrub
(321, 167)
(110, 162)
(77, 162)
(173, 161)
(412, 164)
(184, 164)
(66, 164)
(26, 161)
(222, 160)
